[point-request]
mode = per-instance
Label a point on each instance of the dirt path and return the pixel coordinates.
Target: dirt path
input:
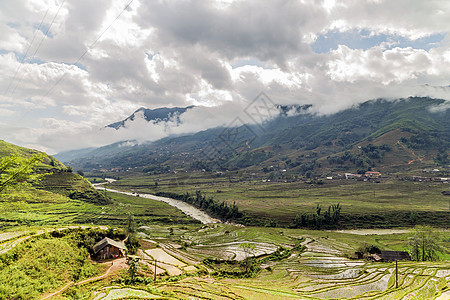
(417, 158)
(188, 209)
(116, 265)
(59, 291)
(373, 231)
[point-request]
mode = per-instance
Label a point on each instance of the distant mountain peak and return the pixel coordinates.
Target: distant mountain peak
(157, 115)
(293, 109)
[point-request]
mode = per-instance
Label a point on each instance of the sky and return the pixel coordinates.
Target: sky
(70, 67)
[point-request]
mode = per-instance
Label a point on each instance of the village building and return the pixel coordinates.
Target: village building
(390, 256)
(352, 176)
(371, 174)
(108, 248)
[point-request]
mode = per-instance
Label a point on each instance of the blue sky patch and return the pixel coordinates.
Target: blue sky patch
(44, 29)
(356, 39)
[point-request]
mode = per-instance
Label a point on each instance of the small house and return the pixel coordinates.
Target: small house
(108, 248)
(389, 256)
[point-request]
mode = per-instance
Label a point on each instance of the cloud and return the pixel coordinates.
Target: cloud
(443, 107)
(6, 112)
(413, 19)
(218, 55)
(269, 30)
(396, 65)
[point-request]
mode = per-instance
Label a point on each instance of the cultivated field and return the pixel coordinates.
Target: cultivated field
(364, 204)
(209, 262)
(320, 271)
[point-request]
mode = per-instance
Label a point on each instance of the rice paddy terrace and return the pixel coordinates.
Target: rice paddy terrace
(198, 261)
(320, 270)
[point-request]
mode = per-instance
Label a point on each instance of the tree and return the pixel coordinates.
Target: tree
(16, 170)
(248, 248)
(133, 263)
(132, 241)
(423, 243)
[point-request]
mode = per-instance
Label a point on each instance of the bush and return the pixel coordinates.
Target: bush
(364, 250)
(41, 264)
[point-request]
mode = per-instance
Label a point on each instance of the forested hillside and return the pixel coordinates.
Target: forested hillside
(378, 133)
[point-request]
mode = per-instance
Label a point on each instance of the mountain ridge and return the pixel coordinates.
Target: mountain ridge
(413, 120)
(163, 114)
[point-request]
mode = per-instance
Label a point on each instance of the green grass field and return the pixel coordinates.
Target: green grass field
(33, 207)
(364, 204)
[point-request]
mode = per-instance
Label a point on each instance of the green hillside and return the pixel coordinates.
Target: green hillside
(48, 162)
(412, 129)
(40, 202)
(64, 197)
(60, 179)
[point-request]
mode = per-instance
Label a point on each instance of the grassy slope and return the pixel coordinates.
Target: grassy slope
(48, 202)
(60, 181)
(48, 162)
(42, 264)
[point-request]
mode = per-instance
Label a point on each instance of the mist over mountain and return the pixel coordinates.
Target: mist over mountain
(392, 132)
(157, 115)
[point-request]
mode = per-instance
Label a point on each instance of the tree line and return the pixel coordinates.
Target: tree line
(221, 210)
(319, 219)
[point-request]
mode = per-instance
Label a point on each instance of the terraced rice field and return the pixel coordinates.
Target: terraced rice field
(367, 282)
(321, 272)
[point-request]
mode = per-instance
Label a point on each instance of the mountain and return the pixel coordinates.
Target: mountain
(73, 154)
(384, 135)
(157, 115)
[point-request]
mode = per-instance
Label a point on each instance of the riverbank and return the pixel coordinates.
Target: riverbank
(186, 208)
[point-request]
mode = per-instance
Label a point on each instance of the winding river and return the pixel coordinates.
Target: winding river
(186, 208)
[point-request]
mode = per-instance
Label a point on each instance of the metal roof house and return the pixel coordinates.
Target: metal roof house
(389, 256)
(108, 248)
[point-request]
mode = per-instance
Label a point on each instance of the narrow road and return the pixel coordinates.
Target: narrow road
(116, 265)
(186, 208)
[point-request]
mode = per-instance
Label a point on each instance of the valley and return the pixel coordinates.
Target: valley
(391, 202)
(308, 265)
(224, 150)
(304, 209)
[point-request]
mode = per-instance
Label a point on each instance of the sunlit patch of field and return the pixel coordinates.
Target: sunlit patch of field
(121, 293)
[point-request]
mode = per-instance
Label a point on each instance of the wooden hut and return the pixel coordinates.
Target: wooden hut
(108, 248)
